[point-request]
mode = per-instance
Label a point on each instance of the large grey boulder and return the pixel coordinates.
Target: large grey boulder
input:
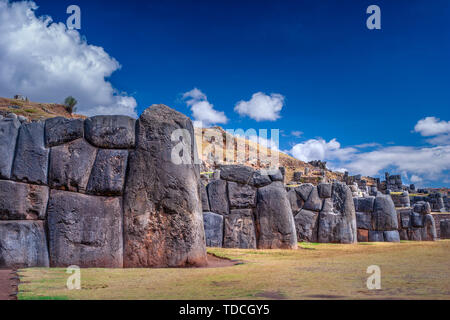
(9, 129)
(314, 202)
(21, 201)
(31, 160)
(416, 220)
(277, 176)
(403, 233)
(364, 220)
(241, 195)
(205, 201)
(415, 234)
(237, 173)
(23, 244)
(71, 165)
(239, 230)
(108, 173)
(324, 190)
(213, 224)
(61, 130)
(364, 204)
(429, 228)
(274, 220)
(384, 217)
(295, 200)
(376, 236)
(405, 218)
(261, 180)
(111, 132)
(391, 236)
(304, 190)
(422, 207)
(306, 224)
(163, 221)
(84, 230)
(337, 220)
(444, 229)
(217, 195)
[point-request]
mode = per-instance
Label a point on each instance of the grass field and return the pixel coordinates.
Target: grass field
(409, 270)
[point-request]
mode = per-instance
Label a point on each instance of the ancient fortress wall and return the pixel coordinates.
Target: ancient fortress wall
(100, 192)
(106, 192)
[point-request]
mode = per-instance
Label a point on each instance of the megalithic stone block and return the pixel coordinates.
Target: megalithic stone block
(163, 221)
(31, 161)
(9, 129)
(23, 244)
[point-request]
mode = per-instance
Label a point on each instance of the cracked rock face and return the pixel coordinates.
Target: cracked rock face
(31, 161)
(275, 228)
(23, 244)
(110, 132)
(84, 230)
(9, 129)
(21, 201)
(163, 221)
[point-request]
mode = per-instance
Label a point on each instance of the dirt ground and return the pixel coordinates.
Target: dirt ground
(409, 270)
(8, 284)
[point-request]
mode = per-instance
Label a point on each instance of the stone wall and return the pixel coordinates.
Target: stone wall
(245, 209)
(438, 218)
(63, 199)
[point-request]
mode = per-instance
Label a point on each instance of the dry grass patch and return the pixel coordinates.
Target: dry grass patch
(410, 270)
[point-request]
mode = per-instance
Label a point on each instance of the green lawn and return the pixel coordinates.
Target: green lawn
(409, 270)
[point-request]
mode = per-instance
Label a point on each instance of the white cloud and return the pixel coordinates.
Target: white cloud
(426, 163)
(203, 111)
(261, 107)
(297, 133)
(46, 62)
(431, 126)
(415, 179)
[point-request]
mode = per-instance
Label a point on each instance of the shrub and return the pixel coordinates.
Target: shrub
(70, 103)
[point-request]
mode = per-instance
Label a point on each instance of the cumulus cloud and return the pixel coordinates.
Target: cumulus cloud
(319, 149)
(431, 126)
(47, 62)
(202, 111)
(261, 107)
(297, 133)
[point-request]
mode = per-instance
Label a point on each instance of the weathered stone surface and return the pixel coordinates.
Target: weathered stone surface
(237, 173)
(376, 236)
(241, 195)
(71, 165)
(213, 229)
(297, 176)
(403, 234)
(217, 195)
(365, 204)
(405, 218)
(205, 200)
(111, 132)
(314, 203)
(304, 190)
(445, 229)
(31, 161)
(21, 201)
(277, 176)
(324, 190)
(364, 220)
(391, 236)
(274, 220)
(108, 174)
(306, 224)
(84, 230)
(9, 129)
(422, 207)
(337, 222)
(295, 200)
(384, 217)
(163, 221)
(61, 130)
(429, 228)
(415, 234)
(261, 180)
(416, 220)
(23, 244)
(239, 230)
(363, 235)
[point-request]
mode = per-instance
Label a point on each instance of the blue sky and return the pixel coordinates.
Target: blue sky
(338, 79)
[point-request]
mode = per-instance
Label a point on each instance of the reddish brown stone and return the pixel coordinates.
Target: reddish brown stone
(363, 235)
